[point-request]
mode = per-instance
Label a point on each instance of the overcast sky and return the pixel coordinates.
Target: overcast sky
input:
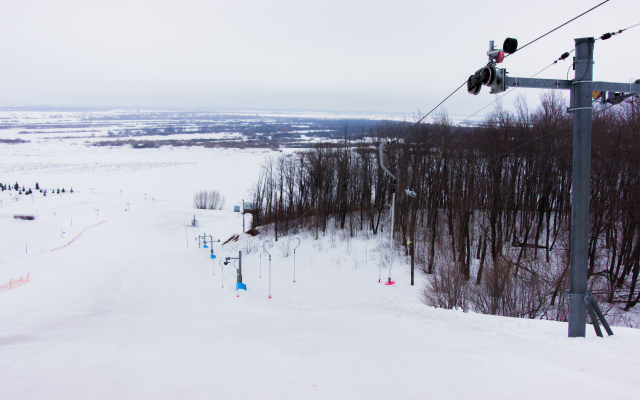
(371, 56)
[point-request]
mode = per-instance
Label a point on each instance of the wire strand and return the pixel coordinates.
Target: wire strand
(609, 35)
(555, 29)
(429, 113)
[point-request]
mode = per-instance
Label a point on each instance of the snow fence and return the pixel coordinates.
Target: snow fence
(3, 260)
(14, 283)
(79, 234)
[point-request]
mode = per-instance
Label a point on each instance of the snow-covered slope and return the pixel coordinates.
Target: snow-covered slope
(132, 308)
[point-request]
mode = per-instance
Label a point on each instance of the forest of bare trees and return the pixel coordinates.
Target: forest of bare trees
(490, 225)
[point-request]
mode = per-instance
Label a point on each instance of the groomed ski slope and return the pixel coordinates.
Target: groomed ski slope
(128, 311)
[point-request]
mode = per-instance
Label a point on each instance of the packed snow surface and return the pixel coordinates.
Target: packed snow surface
(133, 308)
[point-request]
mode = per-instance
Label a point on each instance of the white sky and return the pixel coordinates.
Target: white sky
(372, 56)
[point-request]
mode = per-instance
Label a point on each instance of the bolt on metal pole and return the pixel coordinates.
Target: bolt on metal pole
(581, 105)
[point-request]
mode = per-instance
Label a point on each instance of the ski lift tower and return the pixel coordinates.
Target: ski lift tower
(583, 92)
(239, 284)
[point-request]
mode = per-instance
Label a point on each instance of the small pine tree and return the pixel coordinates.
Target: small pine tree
(71, 191)
(62, 190)
(16, 186)
(37, 186)
(45, 193)
(58, 192)
(40, 190)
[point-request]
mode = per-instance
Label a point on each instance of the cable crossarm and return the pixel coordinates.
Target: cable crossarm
(562, 57)
(555, 29)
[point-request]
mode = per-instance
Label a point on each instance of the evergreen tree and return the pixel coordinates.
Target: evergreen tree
(37, 186)
(16, 186)
(71, 191)
(62, 190)
(58, 192)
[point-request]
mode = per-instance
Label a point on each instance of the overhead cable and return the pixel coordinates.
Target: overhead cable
(555, 29)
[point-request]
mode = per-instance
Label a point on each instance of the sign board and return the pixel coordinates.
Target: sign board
(248, 206)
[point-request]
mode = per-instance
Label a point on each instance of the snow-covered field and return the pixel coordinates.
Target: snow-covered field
(132, 308)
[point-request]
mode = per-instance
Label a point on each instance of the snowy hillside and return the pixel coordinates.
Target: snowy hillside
(128, 306)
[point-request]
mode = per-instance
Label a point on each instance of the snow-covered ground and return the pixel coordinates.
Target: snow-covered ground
(132, 308)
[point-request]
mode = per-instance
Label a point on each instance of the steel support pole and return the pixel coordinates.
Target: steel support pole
(393, 212)
(581, 106)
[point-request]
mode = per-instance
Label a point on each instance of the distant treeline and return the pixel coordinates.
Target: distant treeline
(491, 219)
(258, 129)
